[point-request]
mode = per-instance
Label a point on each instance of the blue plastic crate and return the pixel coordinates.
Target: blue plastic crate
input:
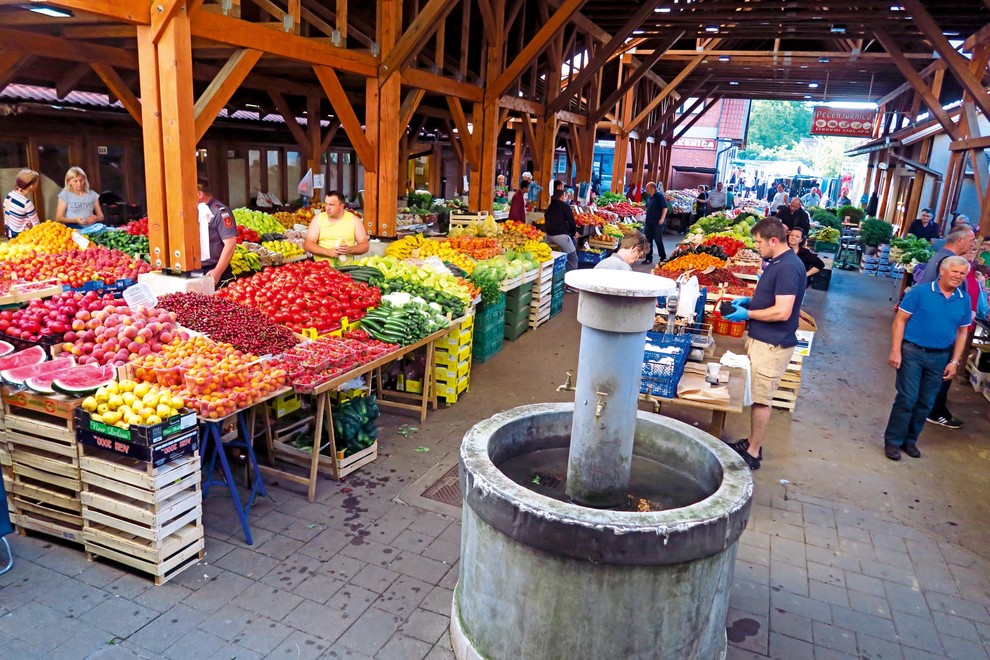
(662, 370)
(560, 263)
(699, 306)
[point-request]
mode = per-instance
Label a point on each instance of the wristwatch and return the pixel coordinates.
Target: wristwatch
(955, 362)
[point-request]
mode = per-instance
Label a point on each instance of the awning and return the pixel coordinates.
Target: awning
(878, 144)
(696, 170)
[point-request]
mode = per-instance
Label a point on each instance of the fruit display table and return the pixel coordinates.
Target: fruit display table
(332, 464)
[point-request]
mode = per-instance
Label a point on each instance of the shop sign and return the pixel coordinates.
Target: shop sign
(707, 144)
(844, 122)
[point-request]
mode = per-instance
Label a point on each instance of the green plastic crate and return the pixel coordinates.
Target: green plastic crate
(558, 277)
(513, 331)
(513, 306)
(490, 315)
(515, 316)
(487, 344)
(556, 306)
(519, 292)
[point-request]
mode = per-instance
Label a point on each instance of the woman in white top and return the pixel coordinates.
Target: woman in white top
(78, 206)
(19, 213)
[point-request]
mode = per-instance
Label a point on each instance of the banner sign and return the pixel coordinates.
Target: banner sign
(844, 122)
(707, 144)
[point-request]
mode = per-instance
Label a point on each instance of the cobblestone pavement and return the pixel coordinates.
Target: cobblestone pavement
(356, 574)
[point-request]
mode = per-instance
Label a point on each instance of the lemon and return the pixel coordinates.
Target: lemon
(89, 404)
(145, 413)
(151, 399)
(97, 417)
(129, 398)
(115, 401)
(153, 419)
(140, 389)
(101, 395)
(111, 417)
(102, 408)
(132, 419)
(177, 403)
(163, 410)
(126, 385)
(113, 388)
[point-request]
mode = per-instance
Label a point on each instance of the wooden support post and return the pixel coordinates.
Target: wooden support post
(315, 141)
(389, 98)
(154, 150)
(517, 155)
(639, 154)
(487, 115)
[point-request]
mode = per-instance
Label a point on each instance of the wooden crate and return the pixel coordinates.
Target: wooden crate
(785, 398)
(148, 518)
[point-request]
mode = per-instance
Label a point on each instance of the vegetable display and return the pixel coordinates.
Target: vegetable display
(353, 427)
(450, 304)
(728, 244)
(874, 232)
(392, 268)
(305, 294)
(242, 327)
(609, 197)
(134, 245)
(259, 221)
(404, 319)
(827, 235)
(911, 249)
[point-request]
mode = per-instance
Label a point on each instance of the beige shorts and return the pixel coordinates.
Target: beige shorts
(768, 364)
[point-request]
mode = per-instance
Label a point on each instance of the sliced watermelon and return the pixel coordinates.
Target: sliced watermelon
(33, 355)
(20, 375)
(5, 348)
(43, 384)
(83, 380)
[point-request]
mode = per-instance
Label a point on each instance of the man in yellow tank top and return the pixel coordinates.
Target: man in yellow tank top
(336, 233)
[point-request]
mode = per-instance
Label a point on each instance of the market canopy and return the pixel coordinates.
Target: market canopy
(482, 72)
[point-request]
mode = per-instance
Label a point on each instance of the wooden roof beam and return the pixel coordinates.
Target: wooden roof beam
(488, 21)
(164, 11)
(409, 105)
(924, 73)
(222, 87)
(415, 37)
(671, 86)
(956, 63)
(125, 11)
(467, 140)
(328, 138)
(289, 117)
(673, 105)
(43, 45)
(601, 56)
(712, 102)
(431, 82)
(119, 88)
(244, 34)
(929, 99)
(644, 67)
(348, 118)
(536, 45)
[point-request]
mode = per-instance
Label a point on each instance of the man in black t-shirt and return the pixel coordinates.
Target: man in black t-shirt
(773, 314)
(794, 216)
(925, 227)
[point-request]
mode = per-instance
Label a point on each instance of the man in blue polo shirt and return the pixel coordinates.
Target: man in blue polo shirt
(773, 314)
(930, 327)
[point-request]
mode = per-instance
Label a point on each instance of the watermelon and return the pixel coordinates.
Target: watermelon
(81, 381)
(6, 348)
(20, 375)
(33, 355)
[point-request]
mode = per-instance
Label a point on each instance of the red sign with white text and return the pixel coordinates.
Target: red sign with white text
(839, 121)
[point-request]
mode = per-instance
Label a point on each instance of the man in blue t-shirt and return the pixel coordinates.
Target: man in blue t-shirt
(931, 325)
(773, 314)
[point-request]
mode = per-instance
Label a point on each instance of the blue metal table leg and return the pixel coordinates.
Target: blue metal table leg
(257, 485)
(204, 450)
(218, 454)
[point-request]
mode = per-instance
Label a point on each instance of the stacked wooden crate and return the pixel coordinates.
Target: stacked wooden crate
(44, 464)
(6, 466)
(539, 310)
(149, 518)
(785, 398)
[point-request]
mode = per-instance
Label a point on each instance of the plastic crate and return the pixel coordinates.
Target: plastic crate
(487, 346)
(559, 263)
(589, 259)
(556, 306)
(517, 305)
(519, 292)
(558, 277)
(513, 331)
(721, 326)
(662, 370)
(490, 315)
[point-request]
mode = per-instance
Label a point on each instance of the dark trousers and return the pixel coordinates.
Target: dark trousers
(918, 382)
(654, 234)
(941, 406)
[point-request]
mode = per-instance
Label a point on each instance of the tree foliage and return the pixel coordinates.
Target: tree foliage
(777, 125)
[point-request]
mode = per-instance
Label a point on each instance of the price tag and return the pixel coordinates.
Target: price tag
(80, 240)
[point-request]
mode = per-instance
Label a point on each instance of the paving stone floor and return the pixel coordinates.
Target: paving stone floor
(357, 575)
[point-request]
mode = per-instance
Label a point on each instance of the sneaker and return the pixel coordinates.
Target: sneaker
(647, 261)
(912, 451)
(742, 445)
(891, 452)
(947, 422)
(751, 461)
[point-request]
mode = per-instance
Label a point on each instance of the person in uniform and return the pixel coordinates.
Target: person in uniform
(217, 235)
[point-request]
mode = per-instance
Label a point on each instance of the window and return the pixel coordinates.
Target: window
(254, 173)
(274, 184)
(293, 174)
(112, 163)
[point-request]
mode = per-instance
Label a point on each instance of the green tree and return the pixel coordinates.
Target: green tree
(775, 126)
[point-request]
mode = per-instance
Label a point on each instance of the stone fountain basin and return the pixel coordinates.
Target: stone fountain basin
(700, 529)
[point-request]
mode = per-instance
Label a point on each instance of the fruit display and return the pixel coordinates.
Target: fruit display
(682, 201)
(245, 234)
(45, 238)
(137, 227)
(114, 334)
(713, 250)
(213, 378)
(612, 231)
(539, 250)
(418, 246)
(287, 249)
(259, 221)
(305, 294)
(244, 261)
(6, 348)
(589, 219)
(132, 402)
(223, 320)
(314, 363)
(728, 244)
(624, 209)
(719, 277)
(302, 216)
(33, 355)
(39, 377)
(484, 228)
(404, 319)
(76, 268)
(526, 230)
(678, 265)
(134, 245)
(392, 268)
(265, 256)
(80, 380)
(478, 248)
(52, 317)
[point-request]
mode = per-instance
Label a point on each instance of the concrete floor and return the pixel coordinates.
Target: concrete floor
(847, 555)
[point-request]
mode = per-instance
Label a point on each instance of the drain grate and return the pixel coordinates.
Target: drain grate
(446, 489)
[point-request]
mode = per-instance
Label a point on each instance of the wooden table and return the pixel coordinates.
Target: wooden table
(736, 386)
(324, 417)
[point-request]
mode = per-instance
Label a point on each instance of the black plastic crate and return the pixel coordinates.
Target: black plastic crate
(158, 454)
(821, 280)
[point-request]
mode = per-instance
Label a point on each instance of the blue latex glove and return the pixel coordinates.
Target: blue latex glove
(741, 302)
(741, 314)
